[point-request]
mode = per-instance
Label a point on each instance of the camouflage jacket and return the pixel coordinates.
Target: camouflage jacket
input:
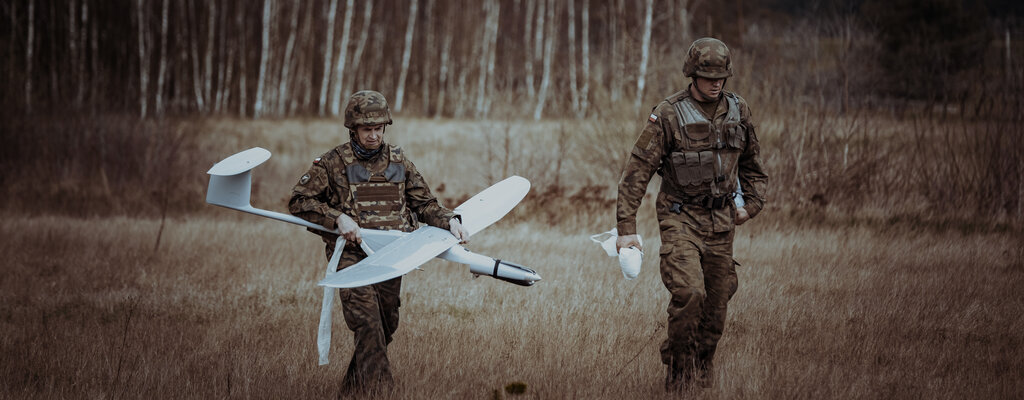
(700, 158)
(338, 182)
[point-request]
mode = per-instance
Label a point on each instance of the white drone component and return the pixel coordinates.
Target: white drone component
(390, 253)
(630, 258)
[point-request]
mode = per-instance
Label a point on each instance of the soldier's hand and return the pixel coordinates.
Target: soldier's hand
(458, 230)
(349, 229)
(626, 241)
(741, 215)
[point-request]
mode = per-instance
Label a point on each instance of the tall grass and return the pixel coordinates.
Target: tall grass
(228, 308)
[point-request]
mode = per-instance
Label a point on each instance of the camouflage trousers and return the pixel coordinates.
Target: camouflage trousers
(371, 313)
(698, 270)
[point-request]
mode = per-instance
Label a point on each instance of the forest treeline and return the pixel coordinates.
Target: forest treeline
(473, 58)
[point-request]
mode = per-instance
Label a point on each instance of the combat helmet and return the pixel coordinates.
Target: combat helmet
(367, 107)
(708, 58)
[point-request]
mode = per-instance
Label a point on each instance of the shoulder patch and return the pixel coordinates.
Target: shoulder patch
(396, 154)
(653, 118)
(316, 160)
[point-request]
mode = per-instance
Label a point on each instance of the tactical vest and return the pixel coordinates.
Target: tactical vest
(707, 153)
(378, 197)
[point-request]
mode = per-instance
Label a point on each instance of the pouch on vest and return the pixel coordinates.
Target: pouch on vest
(693, 168)
(699, 131)
(736, 136)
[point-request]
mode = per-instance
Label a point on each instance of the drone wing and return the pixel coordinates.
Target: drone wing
(395, 259)
(490, 205)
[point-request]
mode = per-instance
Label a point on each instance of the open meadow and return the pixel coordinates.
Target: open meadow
(211, 303)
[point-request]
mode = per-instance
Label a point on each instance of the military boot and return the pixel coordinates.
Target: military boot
(704, 375)
(678, 376)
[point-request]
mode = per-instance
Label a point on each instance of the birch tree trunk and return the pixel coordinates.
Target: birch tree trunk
(406, 53)
(282, 88)
(305, 78)
(358, 55)
(538, 46)
(549, 45)
(243, 65)
(426, 66)
(494, 26)
(585, 93)
(211, 24)
(257, 109)
(97, 76)
(485, 81)
(644, 57)
(527, 49)
(328, 56)
(193, 46)
(573, 87)
(339, 66)
(616, 66)
(143, 59)
(162, 71)
(442, 84)
(684, 24)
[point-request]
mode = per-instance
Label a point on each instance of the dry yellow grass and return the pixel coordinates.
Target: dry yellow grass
(228, 307)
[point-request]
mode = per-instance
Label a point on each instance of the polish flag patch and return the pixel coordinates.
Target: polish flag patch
(653, 118)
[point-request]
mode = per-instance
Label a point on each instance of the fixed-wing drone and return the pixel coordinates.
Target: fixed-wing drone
(390, 253)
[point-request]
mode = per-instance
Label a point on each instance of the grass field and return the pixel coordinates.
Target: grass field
(226, 306)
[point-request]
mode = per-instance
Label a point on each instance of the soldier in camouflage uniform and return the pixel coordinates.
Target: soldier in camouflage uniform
(366, 183)
(699, 139)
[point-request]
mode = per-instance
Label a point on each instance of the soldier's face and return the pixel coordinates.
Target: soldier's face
(370, 136)
(709, 89)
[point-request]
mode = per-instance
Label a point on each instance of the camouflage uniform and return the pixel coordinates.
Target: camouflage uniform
(699, 157)
(384, 191)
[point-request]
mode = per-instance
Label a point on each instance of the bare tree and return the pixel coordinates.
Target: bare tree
(427, 65)
(489, 43)
(257, 109)
(303, 76)
(585, 26)
(538, 45)
(193, 47)
(645, 55)
(549, 46)
(573, 88)
(28, 55)
(282, 89)
(243, 65)
(95, 82)
(143, 59)
(328, 56)
(527, 40)
(406, 53)
(211, 25)
(161, 73)
(615, 59)
(493, 48)
(442, 84)
(361, 44)
(339, 66)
